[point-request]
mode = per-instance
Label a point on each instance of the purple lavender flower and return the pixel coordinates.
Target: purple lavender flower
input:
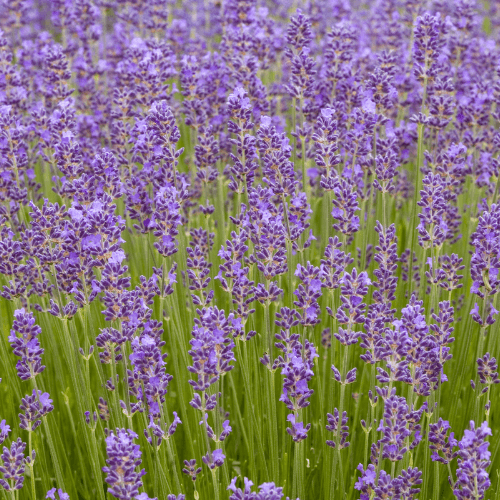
(427, 45)
(339, 427)
(333, 265)
(354, 286)
(485, 263)
(345, 206)
(244, 164)
(13, 466)
(60, 494)
(4, 431)
(211, 350)
(24, 341)
(148, 381)
(325, 138)
(383, 485)
(214, 459)
(297, 430)
(308, 293)
(385, 170)
(124, 456)
(432, 227)
(449, 279)
(191, 470)
(474, 459)
(267, 491)
(487, 370)
(275, 152)
(34, 407)
(442, 443)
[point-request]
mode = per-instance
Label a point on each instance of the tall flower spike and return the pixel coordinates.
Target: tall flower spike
(354, 286)
(244, 164)
(474, 459)
(308, 293)
(325, 138)
(340, 428)
(345, 206)
(124, 456)
(34, 407)
(23, 339)
(441, 442)
(13, 466)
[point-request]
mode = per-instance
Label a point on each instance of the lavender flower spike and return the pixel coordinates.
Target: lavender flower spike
(60, 494)
(124, 456)
(472, 478)
(13, 466)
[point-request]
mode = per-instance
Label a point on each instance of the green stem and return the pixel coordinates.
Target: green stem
(31, 465)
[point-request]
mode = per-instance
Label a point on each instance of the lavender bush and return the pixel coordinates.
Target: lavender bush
(249, 250)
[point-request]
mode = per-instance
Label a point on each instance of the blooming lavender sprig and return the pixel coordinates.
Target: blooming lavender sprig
(157, 434)
(167, 217)
(428, 43)
(345, 206)
(13, 466)
(275, 152)
(124, 456)
(24, 341)
(267, 491)
(333, 265)
(214, 459)
(244, 164)
(485, 263)
(191, 470)
(379, 485)
(198, 270)
(487, 370)
(325, 138)
(399, 426)
(339, 427)
(60, 494)
(354, 286)
(4, 431)
(308, 293)
(34, 407)
(432, 227)
(296, 365)
(474, 459)
(442, 442)
(148, 381)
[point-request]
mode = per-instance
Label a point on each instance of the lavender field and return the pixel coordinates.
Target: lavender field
(249, 249)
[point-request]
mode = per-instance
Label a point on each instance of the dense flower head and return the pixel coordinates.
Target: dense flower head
(148, 380)
(487, 369)
(13, 466)
(34, 407)
(124, 456)
(308, 293)
(442, 442)
(24, 341)
(339, 427)
(474, 458)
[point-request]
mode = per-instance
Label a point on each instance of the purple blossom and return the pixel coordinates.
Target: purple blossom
(474, 459)
(60, 494)
(13, 466)
(124, 456)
